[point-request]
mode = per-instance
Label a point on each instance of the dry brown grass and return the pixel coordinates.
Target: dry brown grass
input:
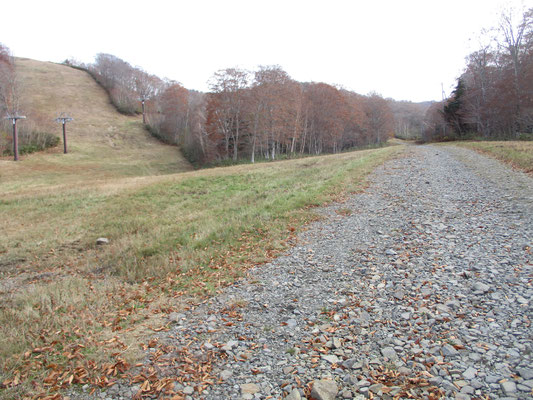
(519, 154)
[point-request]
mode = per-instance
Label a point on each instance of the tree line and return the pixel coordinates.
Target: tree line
(493, 98)
(246, 114)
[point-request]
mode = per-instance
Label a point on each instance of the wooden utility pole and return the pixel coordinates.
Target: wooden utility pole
(15, 118)
(142, 104)
(63, 119)
(443, 99)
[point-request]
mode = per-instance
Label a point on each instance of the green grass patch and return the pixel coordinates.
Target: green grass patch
(197, 216)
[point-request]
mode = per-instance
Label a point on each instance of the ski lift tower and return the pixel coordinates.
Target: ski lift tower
(63, 119)
(143, 100)
(15, 118)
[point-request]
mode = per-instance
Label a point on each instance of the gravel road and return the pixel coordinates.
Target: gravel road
(420, 287)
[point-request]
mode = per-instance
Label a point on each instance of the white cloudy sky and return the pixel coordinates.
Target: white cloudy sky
(403, 49)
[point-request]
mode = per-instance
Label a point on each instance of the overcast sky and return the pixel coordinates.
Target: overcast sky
(403, 49)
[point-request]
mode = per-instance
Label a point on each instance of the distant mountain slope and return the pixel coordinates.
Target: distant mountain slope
(102, 142)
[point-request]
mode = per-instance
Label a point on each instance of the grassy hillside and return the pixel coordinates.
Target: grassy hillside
(103, 144)
(70, 309)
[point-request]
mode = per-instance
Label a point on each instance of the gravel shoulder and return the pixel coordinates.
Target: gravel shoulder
(419, 287)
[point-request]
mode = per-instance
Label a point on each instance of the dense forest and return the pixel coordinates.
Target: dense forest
(493, 98)
(247, 114)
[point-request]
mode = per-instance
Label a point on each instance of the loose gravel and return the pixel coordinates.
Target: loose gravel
(420, 287)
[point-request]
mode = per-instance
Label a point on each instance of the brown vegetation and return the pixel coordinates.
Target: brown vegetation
(493, 98)
(264, 113)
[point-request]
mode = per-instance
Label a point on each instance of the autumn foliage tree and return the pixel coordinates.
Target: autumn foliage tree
(178, 116)
(196, 144)
(266, 113)
(226, 110)
(174, 108)
(379, 121)
(247, 114)
(274, 112)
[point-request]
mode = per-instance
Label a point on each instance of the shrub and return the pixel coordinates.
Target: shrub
(31, 139)
(525, 136)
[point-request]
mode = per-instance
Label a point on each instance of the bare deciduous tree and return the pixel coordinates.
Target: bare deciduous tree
(228, 89)
(515, 47)
(9, 85)
(496, 98)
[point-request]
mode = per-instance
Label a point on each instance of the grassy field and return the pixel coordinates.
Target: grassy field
(70, 309)
(519, 154)
(103, 144)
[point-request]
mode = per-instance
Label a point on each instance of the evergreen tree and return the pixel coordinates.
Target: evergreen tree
(454, 110)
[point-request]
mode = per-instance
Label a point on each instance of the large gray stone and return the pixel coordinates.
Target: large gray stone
(324, 389)
(470, 373)
(226, 374)
(249, 388)
(294, 395)
(480, 287)
(390, 353)
(449, 350)
(508, 387)
(331, 358)
(526, 373)
(399, 294)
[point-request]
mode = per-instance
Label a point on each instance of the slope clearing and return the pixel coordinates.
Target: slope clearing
(102, 143)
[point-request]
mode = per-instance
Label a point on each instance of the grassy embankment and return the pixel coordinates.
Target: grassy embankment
(71, 309)
(519, 154)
